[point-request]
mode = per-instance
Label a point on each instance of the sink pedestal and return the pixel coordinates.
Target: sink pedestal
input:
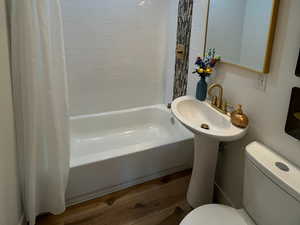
(194, 114)
(201, 185)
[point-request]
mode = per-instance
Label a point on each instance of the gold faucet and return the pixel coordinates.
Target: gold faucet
(217, 101)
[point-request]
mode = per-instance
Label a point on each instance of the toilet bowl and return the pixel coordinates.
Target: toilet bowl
(271, 194)
(216, 214)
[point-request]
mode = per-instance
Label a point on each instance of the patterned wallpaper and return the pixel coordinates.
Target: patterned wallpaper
(184, 24)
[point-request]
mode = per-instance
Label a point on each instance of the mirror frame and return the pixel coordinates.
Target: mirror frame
(269, 46)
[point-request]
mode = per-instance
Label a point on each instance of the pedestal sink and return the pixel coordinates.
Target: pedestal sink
(210, 127)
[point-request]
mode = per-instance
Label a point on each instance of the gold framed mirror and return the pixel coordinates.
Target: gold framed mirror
(242, 32)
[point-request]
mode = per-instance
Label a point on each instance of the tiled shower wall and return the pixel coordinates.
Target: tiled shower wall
(184, 24)
(121, 53)
(118, 52)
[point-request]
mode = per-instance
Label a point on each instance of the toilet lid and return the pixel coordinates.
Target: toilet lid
(214, 214)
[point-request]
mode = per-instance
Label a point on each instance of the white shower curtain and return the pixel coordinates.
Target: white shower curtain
(39, 84)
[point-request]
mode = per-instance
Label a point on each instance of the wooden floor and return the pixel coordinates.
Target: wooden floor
(158, 202)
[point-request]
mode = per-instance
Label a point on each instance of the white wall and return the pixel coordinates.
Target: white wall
(116, 52)
(197, 41)
(267, 110)
(10, 208)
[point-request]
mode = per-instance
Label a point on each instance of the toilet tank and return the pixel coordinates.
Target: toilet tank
(271, 187)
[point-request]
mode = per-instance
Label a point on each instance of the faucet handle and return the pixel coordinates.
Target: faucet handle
(224, 106)
(214, 100)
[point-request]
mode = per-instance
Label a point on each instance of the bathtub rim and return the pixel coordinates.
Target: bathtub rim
(162, 107)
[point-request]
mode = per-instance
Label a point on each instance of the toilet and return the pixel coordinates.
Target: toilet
(271, 194)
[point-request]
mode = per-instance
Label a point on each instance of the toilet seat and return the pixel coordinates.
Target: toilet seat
(216, 214)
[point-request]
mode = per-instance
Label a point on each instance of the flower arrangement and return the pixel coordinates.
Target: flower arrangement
(204, 67)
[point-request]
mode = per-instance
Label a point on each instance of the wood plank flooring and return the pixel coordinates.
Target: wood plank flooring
(158, 202)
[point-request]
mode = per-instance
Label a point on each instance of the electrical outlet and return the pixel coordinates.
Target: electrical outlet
(261, 82)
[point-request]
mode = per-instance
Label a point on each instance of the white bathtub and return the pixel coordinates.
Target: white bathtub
(111, 151)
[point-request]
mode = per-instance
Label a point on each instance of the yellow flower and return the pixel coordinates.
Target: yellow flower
(209, 70)
(200, 70)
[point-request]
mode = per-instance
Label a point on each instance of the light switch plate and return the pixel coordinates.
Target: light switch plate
(261, 82)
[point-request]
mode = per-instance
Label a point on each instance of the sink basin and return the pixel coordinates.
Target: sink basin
(193, 114)
(210, 127)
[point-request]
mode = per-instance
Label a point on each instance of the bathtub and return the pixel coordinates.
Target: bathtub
(114, 150)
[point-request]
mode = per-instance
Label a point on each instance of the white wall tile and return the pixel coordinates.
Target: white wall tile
(118, 54)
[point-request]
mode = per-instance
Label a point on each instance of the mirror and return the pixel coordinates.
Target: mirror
(297, 72)
(242, 32)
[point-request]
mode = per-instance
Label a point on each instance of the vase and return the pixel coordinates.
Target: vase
(201, 91)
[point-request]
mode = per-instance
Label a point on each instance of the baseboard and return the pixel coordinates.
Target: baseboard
(221, 197)
(100, 193)
(22, 220)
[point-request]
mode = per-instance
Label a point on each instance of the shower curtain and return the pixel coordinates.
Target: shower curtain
(40, 100)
